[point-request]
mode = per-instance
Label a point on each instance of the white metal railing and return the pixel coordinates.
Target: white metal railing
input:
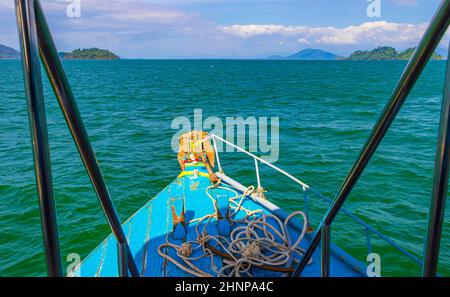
(256, 158)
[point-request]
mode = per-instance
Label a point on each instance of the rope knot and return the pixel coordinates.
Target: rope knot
(185, 249)
(260, 192)
(201, 239)
(252, 250)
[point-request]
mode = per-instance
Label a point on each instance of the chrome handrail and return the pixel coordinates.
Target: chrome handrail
(432, 36)
(35, 37)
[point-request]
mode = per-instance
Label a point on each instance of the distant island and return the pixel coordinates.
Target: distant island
(386, 53)
(7, 52)
(382, 53)
(89, 54)
(308, 54)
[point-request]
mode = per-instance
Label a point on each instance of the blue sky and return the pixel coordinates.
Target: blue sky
(229, 28)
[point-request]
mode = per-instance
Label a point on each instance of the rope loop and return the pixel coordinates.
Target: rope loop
(257, 240)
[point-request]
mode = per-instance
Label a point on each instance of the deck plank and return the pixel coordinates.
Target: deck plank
(109, 266)
(158, 229)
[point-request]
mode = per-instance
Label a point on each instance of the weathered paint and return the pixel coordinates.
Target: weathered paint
(146, 230)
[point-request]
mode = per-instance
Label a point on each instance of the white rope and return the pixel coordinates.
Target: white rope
(252, 242)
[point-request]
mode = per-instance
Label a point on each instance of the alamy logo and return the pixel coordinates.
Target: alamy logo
(74, 260)
(374, 267)
(73, 10)
(374, 9)
(258, 138)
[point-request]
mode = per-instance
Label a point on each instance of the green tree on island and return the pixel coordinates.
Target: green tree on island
(90, 54)
(386, 53)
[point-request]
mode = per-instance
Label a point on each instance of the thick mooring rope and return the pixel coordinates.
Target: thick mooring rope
(253, 242)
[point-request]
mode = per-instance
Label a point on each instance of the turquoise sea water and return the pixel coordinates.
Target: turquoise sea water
(326, 111)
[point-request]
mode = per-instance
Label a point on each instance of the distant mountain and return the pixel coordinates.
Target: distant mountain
(308, 54)
(7, 52)
(386, 53)
(89, 54)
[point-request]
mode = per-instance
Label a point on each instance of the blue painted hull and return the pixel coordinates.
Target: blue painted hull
(148, 228)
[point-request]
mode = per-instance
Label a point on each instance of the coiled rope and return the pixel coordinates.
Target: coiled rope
(253, 242)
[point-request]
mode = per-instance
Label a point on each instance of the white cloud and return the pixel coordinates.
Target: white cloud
(154, 28)
(127, 11)
(303, 41)
(379, 32)
(119, 24)
(6, 4)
